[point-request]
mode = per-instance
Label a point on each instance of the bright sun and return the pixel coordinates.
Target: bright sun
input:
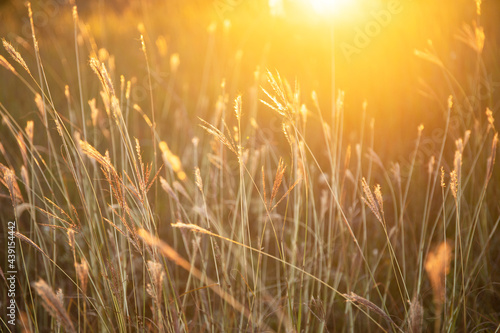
(329, 7)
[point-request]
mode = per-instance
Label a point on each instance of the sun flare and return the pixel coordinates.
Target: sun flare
(331, 7)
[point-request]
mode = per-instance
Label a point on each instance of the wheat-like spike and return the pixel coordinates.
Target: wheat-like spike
(380, 200)
(91, 152)
(454, 183)
(115, 284)
(278, 107)
(280, 172)
(192, 227)
(55, 217)
(219, 136)
(198, 179)
(15, 55)
(101, 72)
(141, 175)
(9, 177)
(491, 158)
(123, 233)
(352, 297)
(491, 120)
(415, 317)
(443, 184)
(237, 107)
(148, 187)
(59, 209)
(107, 79)
(53, 305)
(157, 275)
(370, 200)
(287, 193)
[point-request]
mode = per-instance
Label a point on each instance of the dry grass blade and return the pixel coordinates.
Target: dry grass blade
(52, 303)
(171, 254)
(25, 239)
(30, 130)
(7, 64)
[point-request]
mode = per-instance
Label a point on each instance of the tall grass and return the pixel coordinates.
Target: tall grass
(126, 225)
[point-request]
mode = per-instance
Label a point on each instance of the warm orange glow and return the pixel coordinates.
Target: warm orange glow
(331, 7)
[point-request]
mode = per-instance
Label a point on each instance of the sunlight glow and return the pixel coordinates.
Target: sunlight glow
(330, 7)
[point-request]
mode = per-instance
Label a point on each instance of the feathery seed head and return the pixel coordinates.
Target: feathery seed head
(15, 55)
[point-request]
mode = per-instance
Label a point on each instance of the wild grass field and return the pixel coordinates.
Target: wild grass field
(249, 166)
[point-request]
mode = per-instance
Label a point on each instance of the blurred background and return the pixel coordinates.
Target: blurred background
(239, 40)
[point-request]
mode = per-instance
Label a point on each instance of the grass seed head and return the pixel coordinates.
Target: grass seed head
(53, 304)
(15, 55)
(7, 65)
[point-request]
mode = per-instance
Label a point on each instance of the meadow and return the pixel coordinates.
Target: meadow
(260, 166)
